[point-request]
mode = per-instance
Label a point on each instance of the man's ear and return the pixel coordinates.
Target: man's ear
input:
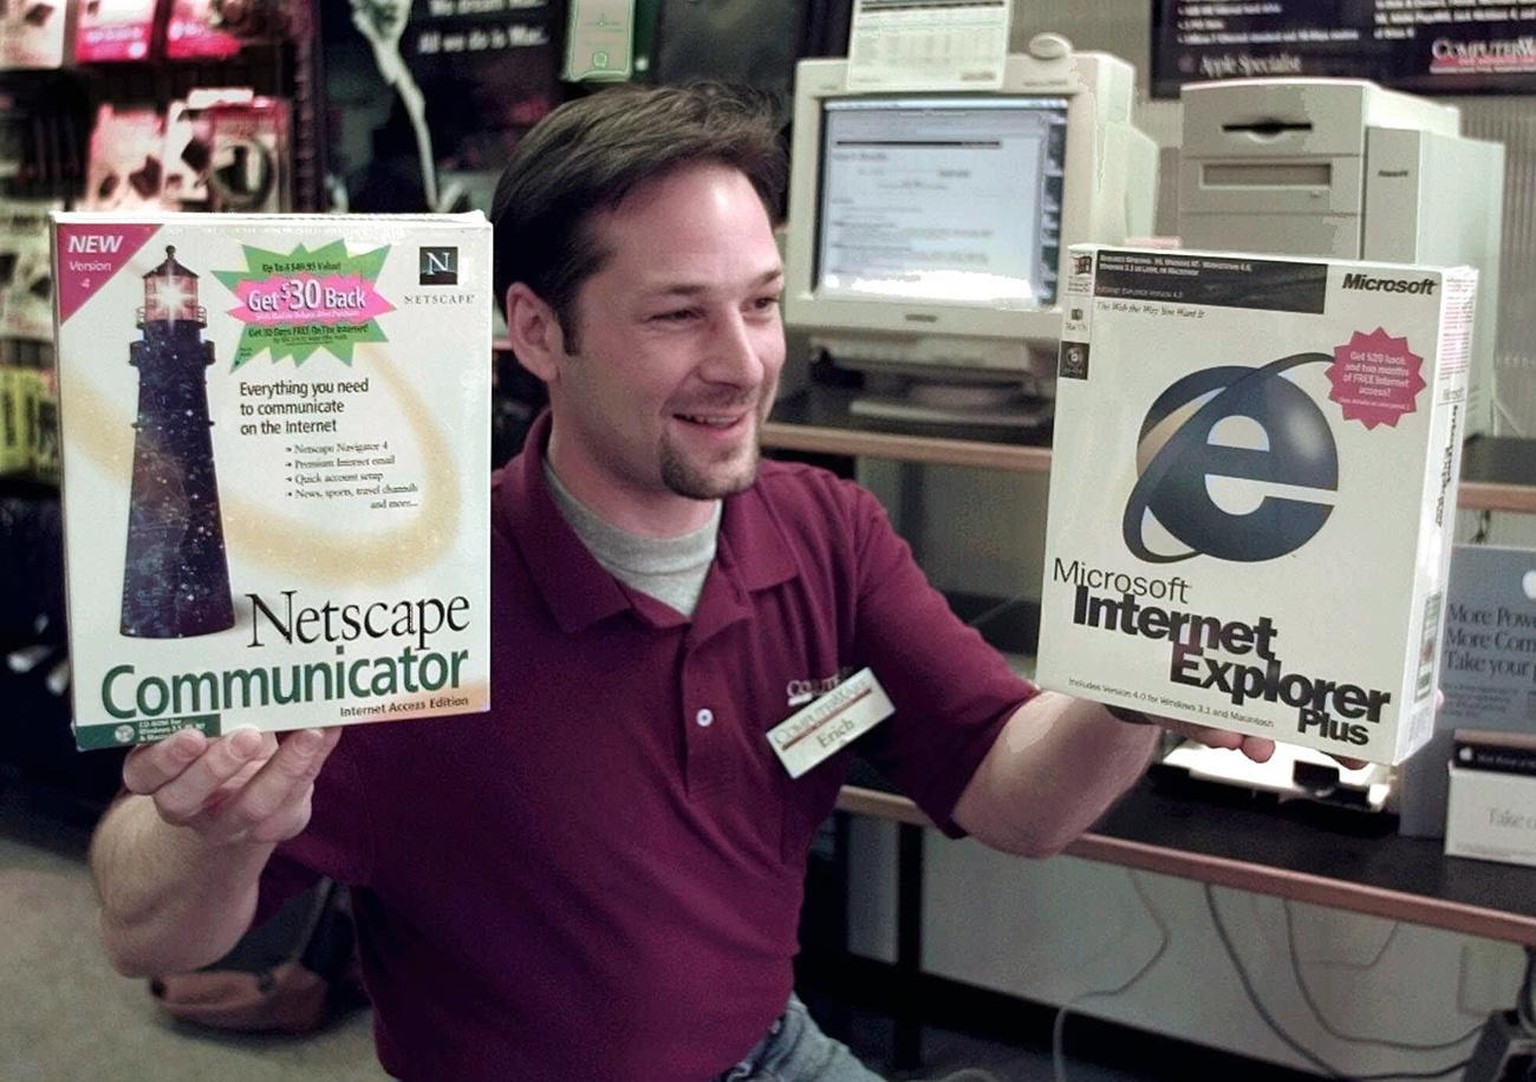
(534, 332)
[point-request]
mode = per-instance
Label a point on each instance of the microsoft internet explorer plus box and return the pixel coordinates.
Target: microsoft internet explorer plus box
(275, 442)
(1253, 480)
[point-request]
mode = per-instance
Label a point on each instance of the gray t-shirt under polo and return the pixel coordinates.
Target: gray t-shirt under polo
(670, 569)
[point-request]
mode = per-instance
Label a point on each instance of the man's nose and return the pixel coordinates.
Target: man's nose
(735, 352)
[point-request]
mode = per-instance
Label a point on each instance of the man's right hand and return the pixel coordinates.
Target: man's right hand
(246, 786)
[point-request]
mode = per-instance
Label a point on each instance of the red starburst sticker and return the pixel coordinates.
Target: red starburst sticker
(1376, 378)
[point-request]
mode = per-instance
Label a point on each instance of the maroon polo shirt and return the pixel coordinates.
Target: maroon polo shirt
(601, 877)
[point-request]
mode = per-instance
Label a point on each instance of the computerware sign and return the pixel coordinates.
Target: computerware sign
(1426, 46)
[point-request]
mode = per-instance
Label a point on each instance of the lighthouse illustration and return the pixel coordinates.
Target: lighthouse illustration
(176, 577)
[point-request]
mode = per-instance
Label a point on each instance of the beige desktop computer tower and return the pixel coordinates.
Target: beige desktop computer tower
(1346, 169)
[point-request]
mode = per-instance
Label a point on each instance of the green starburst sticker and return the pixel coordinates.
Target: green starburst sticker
(294, 304)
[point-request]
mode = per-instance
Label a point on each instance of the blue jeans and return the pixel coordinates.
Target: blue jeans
(795, 1050)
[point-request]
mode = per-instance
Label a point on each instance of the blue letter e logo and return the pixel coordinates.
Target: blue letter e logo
(1233, 422)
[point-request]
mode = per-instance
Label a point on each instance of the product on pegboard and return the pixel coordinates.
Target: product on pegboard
(28, 310)
(29, 428)
(274, 430)
(125, 171)
(41, 141)
(114, 30)
(14, 458)
(24, 381)
(34, 34)
(8, 258)
(189, 144)
(37, 401)
(44, 464)
(217, 29)
(248, 168)
(14, 127)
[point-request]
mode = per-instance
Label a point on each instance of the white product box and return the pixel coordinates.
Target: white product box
(1491, 807)
(1253, 477)
(276, 448)
(1487, 671)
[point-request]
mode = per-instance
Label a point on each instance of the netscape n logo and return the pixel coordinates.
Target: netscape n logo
(1232, 428)
(439, 266)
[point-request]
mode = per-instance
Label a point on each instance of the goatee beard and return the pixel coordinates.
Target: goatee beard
(685, 479)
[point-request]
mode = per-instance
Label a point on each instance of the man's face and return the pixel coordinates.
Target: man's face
(679, 349)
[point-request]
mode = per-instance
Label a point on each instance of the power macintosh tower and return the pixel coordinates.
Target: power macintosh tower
(1345, 168)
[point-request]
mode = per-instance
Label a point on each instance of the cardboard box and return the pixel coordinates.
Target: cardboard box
(276, 444)
(1491, 808)
(14, 455)
(35, 35)
(1253, 480)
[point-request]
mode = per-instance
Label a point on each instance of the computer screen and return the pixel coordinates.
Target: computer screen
(927, 230)
(946, 199)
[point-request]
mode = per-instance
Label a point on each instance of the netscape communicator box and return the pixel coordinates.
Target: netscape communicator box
(1253, 484)
(275, 435)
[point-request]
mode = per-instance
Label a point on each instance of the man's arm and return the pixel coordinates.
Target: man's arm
(1059, 763)
(177, 862)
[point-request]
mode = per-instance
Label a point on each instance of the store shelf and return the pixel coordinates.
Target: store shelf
(815, 439)
(1307, 853)
(1498, 473)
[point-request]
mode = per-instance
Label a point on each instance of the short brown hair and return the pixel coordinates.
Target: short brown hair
(588, 154)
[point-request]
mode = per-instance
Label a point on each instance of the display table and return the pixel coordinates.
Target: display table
(1227, 839)
(1325, 856)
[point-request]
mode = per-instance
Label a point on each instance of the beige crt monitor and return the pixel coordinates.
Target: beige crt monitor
(928, 231)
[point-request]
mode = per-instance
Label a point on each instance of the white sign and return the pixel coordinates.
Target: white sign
(907, 45)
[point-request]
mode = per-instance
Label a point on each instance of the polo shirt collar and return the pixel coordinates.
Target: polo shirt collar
(753, 550)
(752, 554)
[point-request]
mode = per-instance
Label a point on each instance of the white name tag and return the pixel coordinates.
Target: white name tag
(832, 722)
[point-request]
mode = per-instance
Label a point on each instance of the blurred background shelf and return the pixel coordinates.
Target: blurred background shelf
(1498, 473)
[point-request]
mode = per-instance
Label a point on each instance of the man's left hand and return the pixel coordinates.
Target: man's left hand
(1257, 748)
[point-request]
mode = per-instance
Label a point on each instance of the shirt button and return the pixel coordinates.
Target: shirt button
(705, 718)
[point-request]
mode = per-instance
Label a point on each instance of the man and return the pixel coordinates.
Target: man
(601, 878)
